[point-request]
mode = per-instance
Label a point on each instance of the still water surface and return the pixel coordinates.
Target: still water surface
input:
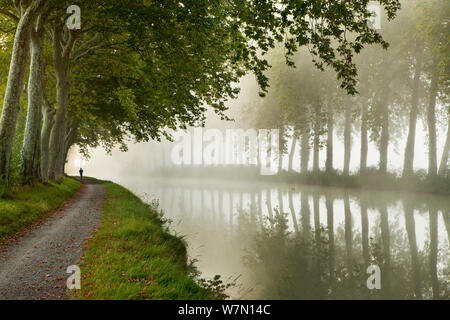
(280, 241)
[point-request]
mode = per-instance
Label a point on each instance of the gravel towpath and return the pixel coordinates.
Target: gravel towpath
(34, 266)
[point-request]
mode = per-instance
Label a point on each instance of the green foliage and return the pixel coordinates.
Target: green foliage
(173, 60)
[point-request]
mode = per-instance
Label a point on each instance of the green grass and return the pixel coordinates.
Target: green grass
(132, 255)
(22, 206)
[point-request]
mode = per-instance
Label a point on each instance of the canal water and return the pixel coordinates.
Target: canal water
(284, 241)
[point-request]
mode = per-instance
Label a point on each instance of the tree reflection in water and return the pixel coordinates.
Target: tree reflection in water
(312, 243)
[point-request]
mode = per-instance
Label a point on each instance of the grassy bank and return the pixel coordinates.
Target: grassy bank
(132, 256)
(22, 206)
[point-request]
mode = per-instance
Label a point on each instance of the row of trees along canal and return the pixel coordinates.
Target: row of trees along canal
(138, 68)
(397, 88)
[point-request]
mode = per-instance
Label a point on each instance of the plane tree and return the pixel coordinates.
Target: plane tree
(192, 52)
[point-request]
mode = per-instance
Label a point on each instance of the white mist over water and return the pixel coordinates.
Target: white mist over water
(208, 237)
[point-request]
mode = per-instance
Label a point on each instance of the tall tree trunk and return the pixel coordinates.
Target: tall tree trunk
(37, 151)
(291, 152)
(13, 92)
(48, 121)
(57, 134)
(305, 149)
(364, 139)
(443, 168)
(68, 143)
(281, 149)
(63, 82)
(411, 231)
(384, 139)
(347, 140)
(431, 121)
(36, 88)
(317, 125)
(259, 140)
(330, 129)
(433, 214)
(408, 163)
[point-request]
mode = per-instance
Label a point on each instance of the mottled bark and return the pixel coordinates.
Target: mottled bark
(408, 163)
(13, 91)
(48, 115)
(36, 89)
(37, 151)
(431, 122)
(68, 143)
(63, 82)
(347, 140)
(330, 129)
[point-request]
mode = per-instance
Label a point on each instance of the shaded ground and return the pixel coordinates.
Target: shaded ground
(34, 266)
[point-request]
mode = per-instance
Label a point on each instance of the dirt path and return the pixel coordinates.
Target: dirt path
(34, 266)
